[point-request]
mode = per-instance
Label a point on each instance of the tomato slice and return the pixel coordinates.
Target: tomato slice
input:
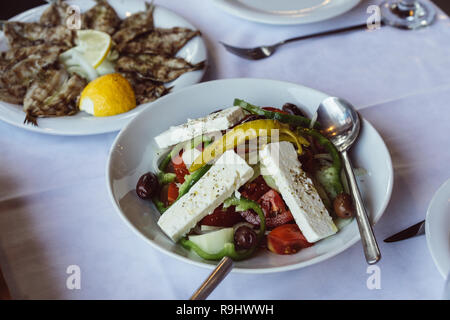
(172, 193)
(275, 110)
(255, 189)
(286, 239)
(222, 217)
(179, 167)
(274, 210)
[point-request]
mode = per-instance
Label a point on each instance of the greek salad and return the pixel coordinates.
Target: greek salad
(247, 178)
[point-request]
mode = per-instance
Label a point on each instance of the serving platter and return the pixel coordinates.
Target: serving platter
(134, 150)
(82, 123)
(286, 12)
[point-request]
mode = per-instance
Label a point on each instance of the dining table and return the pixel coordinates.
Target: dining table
(57, 220)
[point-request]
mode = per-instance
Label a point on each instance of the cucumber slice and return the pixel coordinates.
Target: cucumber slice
(214, 241)
(205, 228)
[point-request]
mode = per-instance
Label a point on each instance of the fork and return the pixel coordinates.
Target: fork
(262, 52)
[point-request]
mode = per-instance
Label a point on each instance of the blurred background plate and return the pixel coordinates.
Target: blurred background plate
(437, 228)
(82, 123)
(286, 11)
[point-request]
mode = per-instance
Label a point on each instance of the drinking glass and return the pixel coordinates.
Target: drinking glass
(407, 14)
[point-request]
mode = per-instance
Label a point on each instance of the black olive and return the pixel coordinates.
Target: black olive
(244, 238)
(293, 109)
(343, 206)
(147, 186)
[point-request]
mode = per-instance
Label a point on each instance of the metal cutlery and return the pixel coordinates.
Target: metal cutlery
(341, 124)
(263, 52)
(220, 272)
(415, 230)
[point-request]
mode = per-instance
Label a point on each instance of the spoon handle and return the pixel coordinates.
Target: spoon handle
(220, 272)
(371, 250)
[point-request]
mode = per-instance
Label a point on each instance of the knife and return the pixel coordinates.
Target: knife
(415, 230)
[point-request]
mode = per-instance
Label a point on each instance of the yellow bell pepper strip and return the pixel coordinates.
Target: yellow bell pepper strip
(285, 118)
(244, 132)
(229, 249)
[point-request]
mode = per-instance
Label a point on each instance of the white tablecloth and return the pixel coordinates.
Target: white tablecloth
(55, 212)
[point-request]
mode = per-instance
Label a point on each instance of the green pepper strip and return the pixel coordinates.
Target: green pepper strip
(191, 179)
(335, 169)
(229, 250)
(286, 118)
(159, 205)
(164, 178)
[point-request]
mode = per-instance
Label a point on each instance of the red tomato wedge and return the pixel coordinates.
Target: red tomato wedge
(179, 167)
(172, 193)
(287, 239)
(274, 210)
(275, 110)
(222, 217)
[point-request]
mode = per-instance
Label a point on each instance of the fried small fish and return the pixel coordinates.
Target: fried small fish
(56, 14)
(135, 25)
(156, 67)
(13, 93)
(101, 17)
(145, 90)
(23, 34)
(54, 93)
(26, 63)
(159, 41)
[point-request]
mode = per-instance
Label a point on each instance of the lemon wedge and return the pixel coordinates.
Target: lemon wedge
(107, 95)
(94, 46)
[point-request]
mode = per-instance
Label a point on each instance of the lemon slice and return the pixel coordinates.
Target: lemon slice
(108, 95)
(94, 45)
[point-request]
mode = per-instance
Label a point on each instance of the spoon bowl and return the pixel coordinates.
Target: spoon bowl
(340, 122)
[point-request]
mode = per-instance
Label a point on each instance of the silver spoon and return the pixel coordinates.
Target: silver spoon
(220, 272)
(341, 124)
(262, 52)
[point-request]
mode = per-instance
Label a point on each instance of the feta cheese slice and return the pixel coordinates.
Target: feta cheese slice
(217, 121)
(281, 162)
(228, 173)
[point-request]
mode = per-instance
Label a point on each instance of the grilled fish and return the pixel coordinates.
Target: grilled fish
(22, 34)
(22, 66)
(159, 41)
(101, 17)
(53, 93)
(145, 90)
(135, 25)
(156, 67)
(56, 14)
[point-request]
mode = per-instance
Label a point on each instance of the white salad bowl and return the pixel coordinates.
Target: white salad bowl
(134, 150)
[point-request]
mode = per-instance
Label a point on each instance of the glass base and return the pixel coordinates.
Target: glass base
(407, 14)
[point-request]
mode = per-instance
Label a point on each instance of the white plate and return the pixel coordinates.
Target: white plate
(437, 228)
(286, 11)
(134, 149)
(82, 123)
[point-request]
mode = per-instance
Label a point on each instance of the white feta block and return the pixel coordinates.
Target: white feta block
(280, 161)
(218, 121)
(228, 173)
